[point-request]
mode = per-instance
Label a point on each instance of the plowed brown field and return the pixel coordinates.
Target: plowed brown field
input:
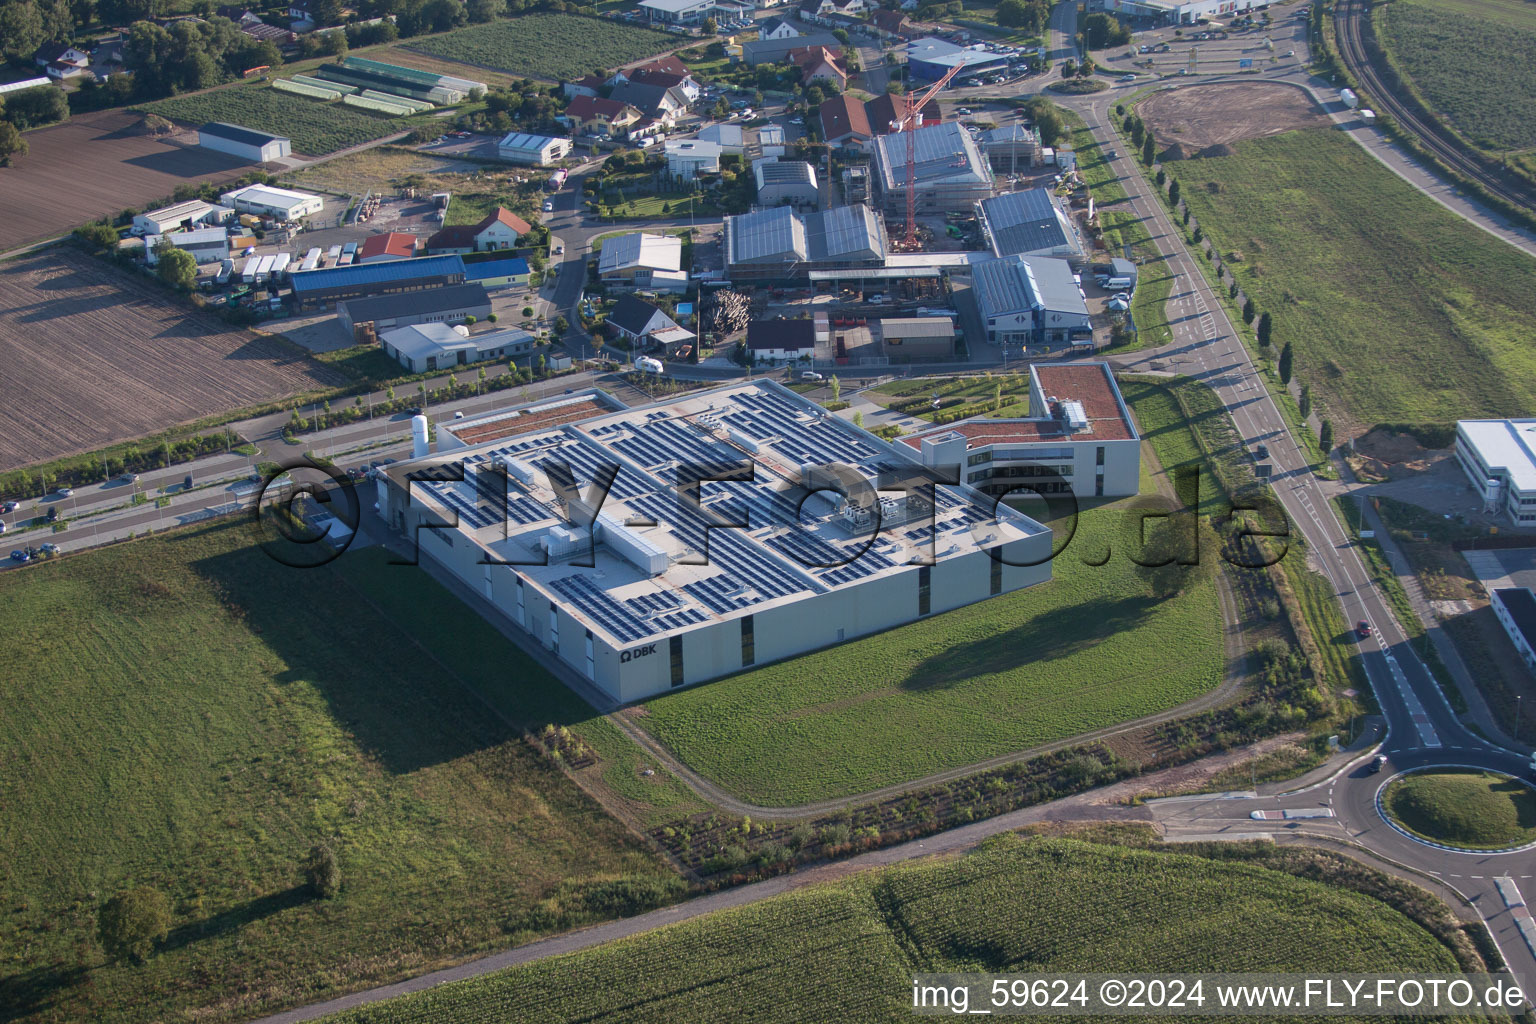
(94, 165)
(90, 356)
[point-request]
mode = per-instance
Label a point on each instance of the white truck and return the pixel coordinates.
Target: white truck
(646, 364)
(1348, 98)
(1367, 116)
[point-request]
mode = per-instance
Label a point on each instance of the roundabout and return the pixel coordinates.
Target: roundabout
(1460, 808)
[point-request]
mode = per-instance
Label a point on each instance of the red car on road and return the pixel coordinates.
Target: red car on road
(1362, 629)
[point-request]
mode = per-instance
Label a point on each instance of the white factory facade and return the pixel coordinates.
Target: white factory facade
(1499, 458)
(1078, 438)
(660, 585)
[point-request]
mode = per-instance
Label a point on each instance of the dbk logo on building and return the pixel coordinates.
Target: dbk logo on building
(636, 652)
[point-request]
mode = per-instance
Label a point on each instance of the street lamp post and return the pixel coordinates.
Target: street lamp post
(1518, 699)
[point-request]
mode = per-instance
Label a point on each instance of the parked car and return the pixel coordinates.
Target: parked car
(559, 250)
(549, 206)
(4, 526)
(20, 556)
(1127, 78)
(810, 375)
(50, 549)
(10, 506)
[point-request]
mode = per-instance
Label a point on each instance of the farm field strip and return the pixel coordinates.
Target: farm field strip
(108, 162)
(93, 356)
(196, 729)
(554, 47)
(316, 128)
(1472, 62)
(1013, 904)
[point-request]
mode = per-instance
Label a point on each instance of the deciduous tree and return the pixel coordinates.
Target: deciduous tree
(130, 923)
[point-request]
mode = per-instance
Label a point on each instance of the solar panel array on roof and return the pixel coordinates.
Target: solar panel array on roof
(944, 152)
(846, 233)
(1025, 222)
(766, 236)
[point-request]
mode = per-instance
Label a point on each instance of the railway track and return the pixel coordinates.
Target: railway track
(1349, 25)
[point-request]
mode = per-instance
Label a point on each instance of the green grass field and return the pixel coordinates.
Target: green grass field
(1085, 650)
(1398, 310)
(316, 128)
(847, 950)
(183, 712)
(1463, 807)
(1471, 61)
(549, 46)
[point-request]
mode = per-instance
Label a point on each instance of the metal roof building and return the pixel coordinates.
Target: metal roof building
(951, 174)
(930, 59)
(780, 244)
(523, 148)
(316, 289)
(781, 181)
(447, 305)
(640, 249)
(269, 201)
(652, 591)
(1030, 223)
(237, 141)
(435, 346)
(1030, 301)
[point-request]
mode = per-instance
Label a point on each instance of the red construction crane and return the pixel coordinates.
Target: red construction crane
(909, 124)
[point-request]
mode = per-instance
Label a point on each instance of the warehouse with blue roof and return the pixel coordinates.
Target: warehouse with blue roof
(321, 289)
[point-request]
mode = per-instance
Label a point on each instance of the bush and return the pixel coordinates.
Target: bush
(322, 871)
(130, 923)
(527, 311)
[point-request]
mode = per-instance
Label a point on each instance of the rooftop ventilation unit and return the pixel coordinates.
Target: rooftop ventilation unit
(629, 545)
(518, 470)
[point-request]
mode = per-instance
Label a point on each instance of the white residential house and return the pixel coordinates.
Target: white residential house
(688, 158)
(778, 28)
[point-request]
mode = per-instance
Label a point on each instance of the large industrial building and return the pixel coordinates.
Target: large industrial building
(1033, 222)
(782, 245)
(662, 584)
(1031, 301)
(1499, 458)
(952, 175)
(319, 289)
(1077, 438)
